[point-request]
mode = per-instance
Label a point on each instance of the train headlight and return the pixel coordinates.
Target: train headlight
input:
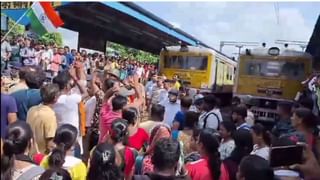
(274, 51)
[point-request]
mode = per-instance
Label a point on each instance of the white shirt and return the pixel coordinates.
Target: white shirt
(163, 96)
(262, 152)
(148, 88)
(47, 54)
(171, 110)
(250, 118)
(90, 108)
(226, 148)
(140, 71)
(212, 120)
(311, 85)
(67, 110)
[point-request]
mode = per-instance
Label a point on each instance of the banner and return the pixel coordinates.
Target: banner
(22, 5)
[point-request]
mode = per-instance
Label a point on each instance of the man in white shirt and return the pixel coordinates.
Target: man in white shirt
(148, 90)
(172, 106)
(140, 71)
(212, 117)
(67, 105)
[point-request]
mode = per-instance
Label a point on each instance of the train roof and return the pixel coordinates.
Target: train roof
(283, 52)
(199, 49)
(206, 50)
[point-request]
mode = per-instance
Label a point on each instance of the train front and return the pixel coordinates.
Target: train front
(267, 76)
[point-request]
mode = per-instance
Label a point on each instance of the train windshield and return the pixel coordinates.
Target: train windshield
(289, 70)
(186, 62)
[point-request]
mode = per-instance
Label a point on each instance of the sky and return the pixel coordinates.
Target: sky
(212, 22)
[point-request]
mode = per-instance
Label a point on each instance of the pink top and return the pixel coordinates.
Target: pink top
(55, 64)
(107, 116)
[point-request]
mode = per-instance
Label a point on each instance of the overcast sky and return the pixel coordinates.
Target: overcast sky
(212, 22)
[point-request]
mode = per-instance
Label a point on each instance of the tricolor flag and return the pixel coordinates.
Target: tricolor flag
(44, 18)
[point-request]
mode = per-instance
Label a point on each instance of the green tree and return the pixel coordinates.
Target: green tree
(51, 38)
(17, 29)
(133, 53)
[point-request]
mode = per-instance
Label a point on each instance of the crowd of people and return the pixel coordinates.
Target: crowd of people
(97, 117)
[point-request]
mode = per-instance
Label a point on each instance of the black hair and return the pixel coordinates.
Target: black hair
(229, 126)
(53, 173)
(254, 167)
(236, 99)
(210, 101)
(240, 110)
(108, 83)
(62, 79)
(35, 77)
(157, 112)
(308, 118)
(243, 141)
(65, 137)
(306, 102)
(186, 102)
(103, 165)
(49, 93)
(260, 130)
(119, 131)
(16, 141)
(198, 102)
(191, 119)
(119, 102)
(211, 144)
(131, 115)
(23, 71)
(285, 107)
(166, 154)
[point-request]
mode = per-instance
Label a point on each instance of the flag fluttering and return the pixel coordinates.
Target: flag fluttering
(44, 18)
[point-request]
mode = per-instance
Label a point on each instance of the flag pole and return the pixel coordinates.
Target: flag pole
(15, 24)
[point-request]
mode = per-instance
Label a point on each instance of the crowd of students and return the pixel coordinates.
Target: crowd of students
(91, 124)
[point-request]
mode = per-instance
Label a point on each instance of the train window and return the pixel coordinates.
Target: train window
(290, 70)
(186, 62)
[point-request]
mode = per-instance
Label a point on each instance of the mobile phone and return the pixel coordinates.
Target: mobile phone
(286, 155)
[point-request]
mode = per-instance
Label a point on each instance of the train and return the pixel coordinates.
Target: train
(261, 77)
(266, 76)
(201, 68)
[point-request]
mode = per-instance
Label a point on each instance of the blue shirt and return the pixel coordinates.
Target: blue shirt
(8, 105)
(244, 126)
(25, 99)
(69, 58)
(181, 118)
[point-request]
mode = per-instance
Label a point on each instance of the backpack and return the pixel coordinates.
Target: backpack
(205, 119)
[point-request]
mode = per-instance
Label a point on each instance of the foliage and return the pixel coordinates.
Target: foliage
(51, 38)
(17, 29)
(132, 53)
(46, 39)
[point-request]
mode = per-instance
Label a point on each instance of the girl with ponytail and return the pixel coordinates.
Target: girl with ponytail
(62, 156)
(103, 163)
(262, 141)
(209, 167)
(126, 155)
(15, 162)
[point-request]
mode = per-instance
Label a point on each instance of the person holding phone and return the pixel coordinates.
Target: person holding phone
(304, 123)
